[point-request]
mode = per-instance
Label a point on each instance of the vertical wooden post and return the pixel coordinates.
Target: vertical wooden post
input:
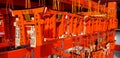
(112, 9)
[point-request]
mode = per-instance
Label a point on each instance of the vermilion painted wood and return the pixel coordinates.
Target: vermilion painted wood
(56, 34)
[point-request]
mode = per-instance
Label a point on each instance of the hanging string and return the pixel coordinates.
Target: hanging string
(58, 2)
(99, 6)
(9, 4)
(39, 3)
(27, 4)
(42, 3)
(72, 6)
(54, 4)
(79, 6)
(105, 7)
(75, 6)
(89, 7)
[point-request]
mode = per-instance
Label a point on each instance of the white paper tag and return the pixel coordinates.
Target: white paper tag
(33, 37)
(17, 37)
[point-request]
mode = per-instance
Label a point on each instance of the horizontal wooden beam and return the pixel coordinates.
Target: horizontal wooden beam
(108, 1)
(20, 3)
